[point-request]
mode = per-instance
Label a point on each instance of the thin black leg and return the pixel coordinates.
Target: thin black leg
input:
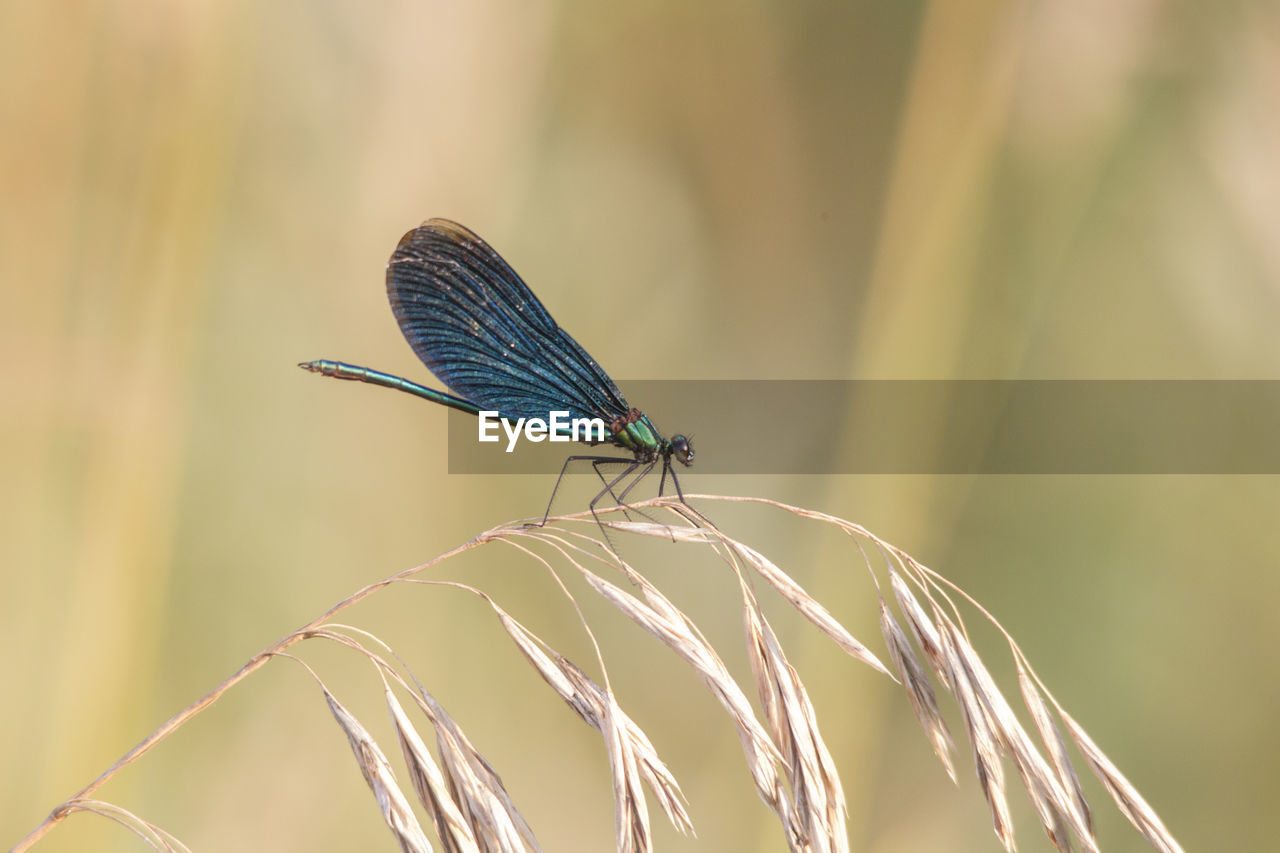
(608, 490)
(622, 498)
(595, 461)
(675, 481)
(608, 487)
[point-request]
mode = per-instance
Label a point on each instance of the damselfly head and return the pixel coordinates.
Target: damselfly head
(682, 449)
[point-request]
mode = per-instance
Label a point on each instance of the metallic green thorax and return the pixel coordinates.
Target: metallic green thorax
(636, 433)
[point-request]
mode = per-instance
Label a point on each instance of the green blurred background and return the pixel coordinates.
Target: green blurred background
(198, 195)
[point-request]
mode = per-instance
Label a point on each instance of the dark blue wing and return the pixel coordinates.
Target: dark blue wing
(484, 334)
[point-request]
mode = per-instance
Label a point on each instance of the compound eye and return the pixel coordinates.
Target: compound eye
(682, 449)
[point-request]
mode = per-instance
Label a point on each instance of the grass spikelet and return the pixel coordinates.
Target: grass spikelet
(476, 787)
(921, 625)
(815, 782)
(1051, 737)
(667, 624)
(1122, 791)
(428, 781)
(599, 709)
(985, 742)
(631, 817)
(373, 764)
(924, 702)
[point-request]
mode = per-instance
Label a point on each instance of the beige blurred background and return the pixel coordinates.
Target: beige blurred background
(198, 195)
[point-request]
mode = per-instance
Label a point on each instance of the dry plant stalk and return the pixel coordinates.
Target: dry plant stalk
(793, 771)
